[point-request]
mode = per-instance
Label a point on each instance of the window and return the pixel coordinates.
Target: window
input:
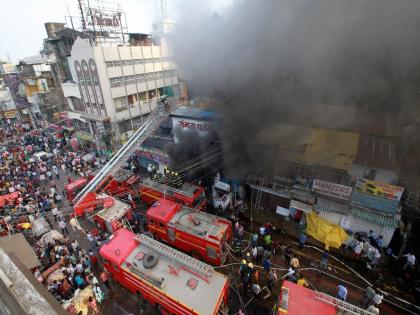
(211, 252)
(161, 225)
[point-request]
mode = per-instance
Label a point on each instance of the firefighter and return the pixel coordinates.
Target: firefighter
(248, 257)
(178, 181)
(243, 268)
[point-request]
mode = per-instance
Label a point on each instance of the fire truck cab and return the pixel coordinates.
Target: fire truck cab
(73, 188)
(174, 282)
(190, 195)
(198, 233)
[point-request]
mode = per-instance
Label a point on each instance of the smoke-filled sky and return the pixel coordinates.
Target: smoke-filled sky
(280, 60)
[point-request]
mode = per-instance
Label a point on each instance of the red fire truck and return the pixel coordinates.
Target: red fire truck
(174, 282)
(298, 300)
(198, 233)
(120, 184)
(189, 195)
(73, 188)
(107, 212)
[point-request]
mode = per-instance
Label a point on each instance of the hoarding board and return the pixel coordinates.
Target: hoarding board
(373, 202)
(379, 189)
(332, 189)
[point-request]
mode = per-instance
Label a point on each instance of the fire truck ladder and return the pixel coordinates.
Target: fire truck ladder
(121, 156)
(344, 306)
(184, 259)
(165, 189)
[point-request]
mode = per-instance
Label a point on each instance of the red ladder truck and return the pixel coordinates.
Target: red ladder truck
(190, 195)
(198, 233)
(173, 281)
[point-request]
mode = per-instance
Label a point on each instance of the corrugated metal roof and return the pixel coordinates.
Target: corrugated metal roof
(375, 217)
(328, 205)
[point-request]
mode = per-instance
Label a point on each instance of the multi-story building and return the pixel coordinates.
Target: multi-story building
(115, 84)
(7, 104)
(40, 87)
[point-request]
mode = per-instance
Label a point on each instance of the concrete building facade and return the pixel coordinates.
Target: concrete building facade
(115, 85)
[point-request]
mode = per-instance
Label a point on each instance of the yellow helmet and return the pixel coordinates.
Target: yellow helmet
(250, 265)
(248, 254)
(244, 261)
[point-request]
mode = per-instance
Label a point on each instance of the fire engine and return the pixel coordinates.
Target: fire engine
(106, 211)
(173, 281)
(190, 195)
(73, 188)
(298, 300)
(118, 184)
(200, 234)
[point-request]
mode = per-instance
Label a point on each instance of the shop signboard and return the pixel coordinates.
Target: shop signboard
(373, 202)
(379, 189)
(331, 189)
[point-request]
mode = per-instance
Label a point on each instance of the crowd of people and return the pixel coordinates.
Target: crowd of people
(30, 167)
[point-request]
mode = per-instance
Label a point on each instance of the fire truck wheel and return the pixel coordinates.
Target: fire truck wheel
(195, 254)
(150, 260)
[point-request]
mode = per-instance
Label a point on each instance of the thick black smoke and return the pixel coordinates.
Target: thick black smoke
(302, 62)
(190, 154)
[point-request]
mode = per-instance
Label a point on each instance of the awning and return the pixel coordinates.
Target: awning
(95, 117)
(84, 136)
(375, 217)
(271, 191)
(74, 115)
(301, 206)
(328, 205)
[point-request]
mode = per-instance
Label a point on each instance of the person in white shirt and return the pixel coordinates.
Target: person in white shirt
(54, 212)
(377, 299)
(63, 226)
(410, 261)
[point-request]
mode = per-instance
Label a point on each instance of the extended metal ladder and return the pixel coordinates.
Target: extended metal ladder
(344, 306)
(121, 156)
(164, 189)
(184, 259)
(258, 197)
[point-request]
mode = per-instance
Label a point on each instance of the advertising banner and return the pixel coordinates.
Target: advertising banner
(379, 189)
(332, 189)
(373, 202)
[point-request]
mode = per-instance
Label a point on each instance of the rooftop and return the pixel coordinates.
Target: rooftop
(163, 210)
(201, 224)
(303, 301)
(195, 113)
